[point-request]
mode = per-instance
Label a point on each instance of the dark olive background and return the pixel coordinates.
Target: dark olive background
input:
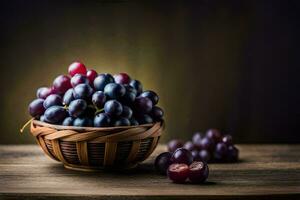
(232, 65)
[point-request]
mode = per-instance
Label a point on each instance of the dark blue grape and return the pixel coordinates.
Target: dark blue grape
(113, 108)
(102, 80)
(99, 99)
(137, 85)
(83, 122)
(68, 97)
(55, 114)
(102, 120)
(68, 121)
(36, 108)
(174, 144)
(79, 79)
(151, 95)
(157, 113)
(127, 112)
(145, 119)
(114, 90)
(143, 105)
(196, 156)
(129, 95)
(121, 122)
(83, 91)
(77, 107)
(133, 122)
(52, 100)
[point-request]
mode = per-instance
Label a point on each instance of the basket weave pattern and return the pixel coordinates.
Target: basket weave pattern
(97, 148)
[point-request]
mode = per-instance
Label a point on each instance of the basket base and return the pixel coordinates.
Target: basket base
(95, 169)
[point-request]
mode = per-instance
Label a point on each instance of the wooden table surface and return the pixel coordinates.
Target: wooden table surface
(264, 172)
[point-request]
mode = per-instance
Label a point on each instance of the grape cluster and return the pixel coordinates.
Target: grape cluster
(211, 147)
(85, 98)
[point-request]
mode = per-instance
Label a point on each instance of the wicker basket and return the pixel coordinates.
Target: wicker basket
(91, 149)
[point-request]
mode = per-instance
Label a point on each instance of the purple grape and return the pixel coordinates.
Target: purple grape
(232, 154)
(52, 100)
(114, 90)
(77, 107)
(178, 172)
(122, 78)
(83, 122)
(137, 85)
(143, 105)
(102, 120)
(127, 112)
(182, 155)
(102, 80)
(196, 156)
(174, 144)
(36, 108)
(207, 143)
(157, 113)
(129, 95)
(99, 99)
(198, 172)
(162, 162)
(204, 155)
(121, 122)
(214, 134)
(68, 97)
(61, 84)
(227, 139)
(55, 114)
(151, 95)
(68, 121)
(189, 145)
(145, 119)
(79, 79)
(43, 92)
(197, 137)
(113, 108)
(221, 151)
(83, 91)
(43, 118)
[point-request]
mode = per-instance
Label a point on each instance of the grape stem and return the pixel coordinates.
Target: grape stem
(99, 111)
(26, 124)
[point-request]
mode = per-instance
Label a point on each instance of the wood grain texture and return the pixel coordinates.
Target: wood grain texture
(264, 172)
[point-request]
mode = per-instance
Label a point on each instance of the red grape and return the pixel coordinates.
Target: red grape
(178, 172)
(198, 172)
(122, 78)
(91, 75)
(77, 68)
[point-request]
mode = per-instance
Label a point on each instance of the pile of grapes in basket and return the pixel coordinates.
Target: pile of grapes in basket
(85, 98)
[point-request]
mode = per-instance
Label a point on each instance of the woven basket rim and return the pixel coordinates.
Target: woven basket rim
(76, 128)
